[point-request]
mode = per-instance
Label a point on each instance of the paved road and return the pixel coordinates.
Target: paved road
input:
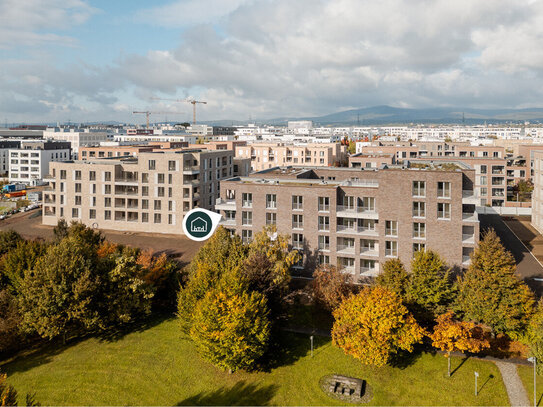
(527, 266)
(513, 384)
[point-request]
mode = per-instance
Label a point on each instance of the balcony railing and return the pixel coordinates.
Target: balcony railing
(468, 238)
(345, 248)
(365, 251)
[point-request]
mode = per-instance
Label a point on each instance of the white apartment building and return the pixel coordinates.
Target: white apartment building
(77, 139)
(30, 162)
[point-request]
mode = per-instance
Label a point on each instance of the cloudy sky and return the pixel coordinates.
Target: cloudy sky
(84, 61)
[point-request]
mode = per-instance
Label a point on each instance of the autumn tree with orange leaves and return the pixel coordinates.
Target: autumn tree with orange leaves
(451, 335)
(373, 325)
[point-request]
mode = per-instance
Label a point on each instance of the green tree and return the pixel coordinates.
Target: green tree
(23, 257)
(60, 230)
(430, 290)
(351, 149)
(490, 292)
(373, 325)
(10, 320)
(8, 240)
(231, 327)
(394, 277)
(220, 254)
(58, 295)
(534, 336)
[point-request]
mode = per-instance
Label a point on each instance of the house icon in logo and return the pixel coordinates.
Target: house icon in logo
(198, 225)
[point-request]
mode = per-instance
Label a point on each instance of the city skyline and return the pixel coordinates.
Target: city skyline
(90, 60)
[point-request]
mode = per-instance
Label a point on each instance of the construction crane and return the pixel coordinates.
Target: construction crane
(147, 113)
(191, 101)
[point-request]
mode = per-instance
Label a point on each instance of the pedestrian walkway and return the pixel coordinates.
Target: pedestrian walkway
(513, 384)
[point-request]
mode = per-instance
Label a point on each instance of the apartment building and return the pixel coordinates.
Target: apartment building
(29, 162)
(537, 195)
(77, 139)
(361, 160)
(5, 146)
(148, 193)
(268, 155)
(358, 218)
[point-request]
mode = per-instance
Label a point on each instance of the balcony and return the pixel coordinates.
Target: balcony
(126, 180)
(225, 204)
(344, 249)
(470, 217)
(191, 170)
(364, 231)
(365, 251)
(227, 222)
(469, 197)
(466, 260)
(369, 271)
(468, 239)
(347, 269)
(48, 178)
(356, 212)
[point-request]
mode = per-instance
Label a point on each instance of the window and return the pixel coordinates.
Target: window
(144, 177)
(443, 210)
(152, 164)
(144, 204)
(145, 217)
(297, 202)
(271, 218)
(92, 175)
(324, 242)
(324, 203)
(107, 215)
(247, 200)
(391, 228)
(391, 248)
(160, 191)
(107, 176)
(324, 259)
(271, 201)
(157, 205)
(443, 189)
(160, 178)
(77, 187)
(92, 213)
(246, 218)
(77, 175)
(144, 191)
(419, 188)
(157, 218)
(419, 230)
(107, 202)
(246, 236)
(367, 265)
(417, 247)
(62, 174)
(419, 209)
(483, 169)
(297, 221)
(170, 206)
(75, 212)
(171, 219)
(78, 199)
(324, 223)
(368, 203)
(297, 240)
(172, 165)
(170, 178)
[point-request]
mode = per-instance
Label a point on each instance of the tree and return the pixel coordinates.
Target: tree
(351, 149)
(490, 292)
(394, 277)
(60, 230)
(456, 336)
(58, 295)
(220, 255)
(534, 336)
(331, 286)
(231, 327)
(8, 240)
(23, 257)
(161, 273)
(373, 325)
(8, 394)
(10, 320)
(430, 291)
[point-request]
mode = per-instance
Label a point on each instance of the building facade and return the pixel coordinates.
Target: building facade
(357, 219)
(29, 162)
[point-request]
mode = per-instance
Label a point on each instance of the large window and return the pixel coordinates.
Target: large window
(271, 201)
(443, 210)
(297, 240)
(368, 203)
(247, 200)
(297, 202)
(324, 242)
(324, 223)
(391, 248)
(419, 209)
(271, 218)
(443, 189)
(324, 203)
(297, 221)
(391, 228)
(246, 218)
(419, 230)
(246, 236)
(419, 189)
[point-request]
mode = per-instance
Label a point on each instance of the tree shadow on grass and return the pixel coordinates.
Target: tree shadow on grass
(464, 360)
(117, 333)
(286, 348)
(404, 359)
(241, 394)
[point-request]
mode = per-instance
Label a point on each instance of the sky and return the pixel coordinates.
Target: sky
(86, 61)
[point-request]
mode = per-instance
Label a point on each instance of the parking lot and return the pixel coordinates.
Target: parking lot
(28, 224)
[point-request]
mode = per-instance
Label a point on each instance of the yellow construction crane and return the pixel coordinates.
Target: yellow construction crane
(147, 113)
(191, 101)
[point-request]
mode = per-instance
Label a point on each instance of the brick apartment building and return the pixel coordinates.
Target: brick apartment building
(268, 155)
(356, 218)
(148, 193)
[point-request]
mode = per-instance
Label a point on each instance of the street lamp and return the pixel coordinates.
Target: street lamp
(476, 376)
(533, 359)
(311, 337)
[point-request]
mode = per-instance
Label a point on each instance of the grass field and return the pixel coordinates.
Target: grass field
(526, 374)
(157, 365)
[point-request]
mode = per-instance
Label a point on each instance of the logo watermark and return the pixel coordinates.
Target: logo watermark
(199, 224)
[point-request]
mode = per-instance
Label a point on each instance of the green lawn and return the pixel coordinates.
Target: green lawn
(526, 374)
(158, 365)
